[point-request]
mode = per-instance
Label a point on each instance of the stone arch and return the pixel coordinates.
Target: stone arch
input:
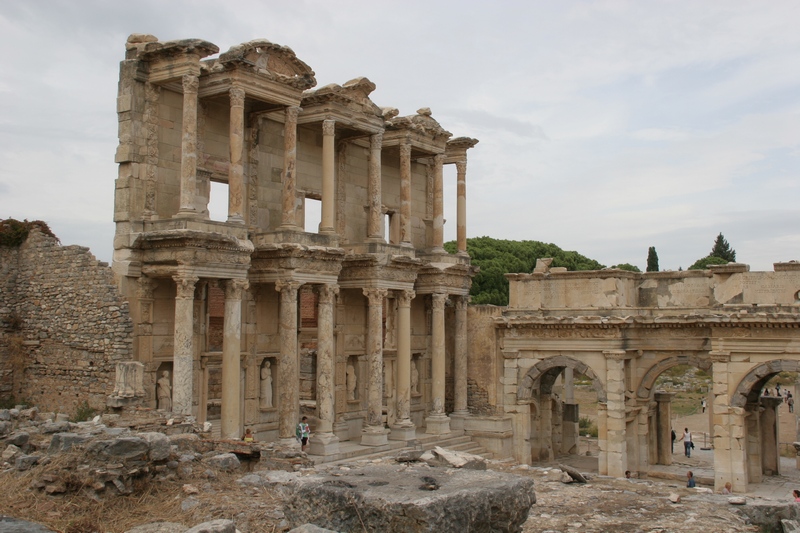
(750, 387)
(645, 389)
(543, 374)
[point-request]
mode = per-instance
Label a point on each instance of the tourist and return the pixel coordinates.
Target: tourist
(766, 391)
(302, 432)
(248, 436)
(690, 483)
(687, 442)
(673, 441)
(627, 474)
(796, 494)
(728, 488)
(703, 404)
(790, 403)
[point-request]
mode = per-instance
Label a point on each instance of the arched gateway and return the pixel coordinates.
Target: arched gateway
(623, 330)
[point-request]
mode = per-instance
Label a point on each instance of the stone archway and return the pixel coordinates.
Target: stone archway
(543, 374)
(645, 389)
(749, 388)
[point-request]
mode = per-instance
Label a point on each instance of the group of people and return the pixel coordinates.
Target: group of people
(302, 433)
(787, 396)
(688, 444)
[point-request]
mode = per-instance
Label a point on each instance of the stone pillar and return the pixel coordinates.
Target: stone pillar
(189, 146)
(602, 441)
(663, 440)
(437, 422)
(289, 366)
(289, 197)
(405, 194)
(328, 138)
(460, 367)
(769, 425)
(374, 223)
(461, 207)
(183, 346)
(546, 427)
(323, 441)
(616, 445)
(235, 170)
(231, 360)
(404, 428)
(438, 203)
(374, 434)
(730, 446)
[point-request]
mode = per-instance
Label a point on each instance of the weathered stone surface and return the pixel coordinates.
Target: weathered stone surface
(24, 462)
(55, 427)
(159, 445)
(769, 515)
(443, 457)
(311, 528)
(574, 474)
(126, 448)
(674, 497)
(227, 462)
(13, 525)
(408, 456)
(20, 439)
(790, 526)
(62, 442)
(737, 500)
(159, 527)
(214, 526)
(390, 499)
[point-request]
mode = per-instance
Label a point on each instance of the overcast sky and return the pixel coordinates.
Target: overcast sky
(604, 127)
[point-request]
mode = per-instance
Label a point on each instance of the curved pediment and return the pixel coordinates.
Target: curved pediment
(354, 94)
(422, 122)
(275, 61)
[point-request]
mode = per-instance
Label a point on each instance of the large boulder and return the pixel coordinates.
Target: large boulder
(411, 499)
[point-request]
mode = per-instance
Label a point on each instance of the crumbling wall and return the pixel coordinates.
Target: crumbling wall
(61, 308)
(482, 360)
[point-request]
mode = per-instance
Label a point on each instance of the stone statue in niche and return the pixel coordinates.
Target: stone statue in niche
(414, 377)
(352, 381)
(266, 386)
(164, 391)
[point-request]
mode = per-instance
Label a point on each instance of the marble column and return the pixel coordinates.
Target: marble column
(189, 146)
(183, 346)
(231, 360)
(461, 207)
(616, 442)
(437, 422)
(374, 434)
(328, 138)
(289, 197)
(663, 440)
(460, 366)
(289, 366)
(235, 169)
(374, 223)
(323, 441)
(404, 428)
(405, 194)
(438, 203)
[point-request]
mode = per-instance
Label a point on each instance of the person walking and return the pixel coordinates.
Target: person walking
(673, 441)
(703, 404)
(302, 432)
(687, 442)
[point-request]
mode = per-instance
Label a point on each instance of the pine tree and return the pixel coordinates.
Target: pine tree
(723, 250)
(652, 260)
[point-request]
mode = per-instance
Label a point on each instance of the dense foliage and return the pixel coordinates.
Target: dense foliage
(702, 264)
(627, 266)
(723, 250)
(497, 257)
(14, 232)
(652, 259)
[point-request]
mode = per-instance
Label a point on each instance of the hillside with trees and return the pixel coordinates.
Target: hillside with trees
(496, 257)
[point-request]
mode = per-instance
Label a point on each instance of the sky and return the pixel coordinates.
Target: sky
(605, 127)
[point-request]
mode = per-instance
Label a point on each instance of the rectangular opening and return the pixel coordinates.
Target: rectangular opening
(218, 202)
(312, 208)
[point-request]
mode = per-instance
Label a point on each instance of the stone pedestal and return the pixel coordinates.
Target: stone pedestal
(437, 425)
(323, 444)
(374, 436)
(404, 433)
(458, 421)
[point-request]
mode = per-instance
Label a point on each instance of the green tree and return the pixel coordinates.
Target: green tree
(702, 264)
(627, 266)
(652, 259)
(723, 250)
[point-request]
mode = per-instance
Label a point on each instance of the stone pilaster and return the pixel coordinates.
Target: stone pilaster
(236, 169)
(461, 207)
(664, 427)
(405, 194)
(404, 428)
(374, 434)
(323, 441)
(438, 203)
(189, 146)
(151, 124)
(231, 360)
(438, 422)
(460, 367)
(328, 153)
(288, 199)
(289, 366)
(183, 346)
(616, 443)
(728, 433)
(374, 223)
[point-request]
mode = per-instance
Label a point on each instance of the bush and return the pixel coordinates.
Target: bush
(587, 427)
(84, 412)
(14, 232)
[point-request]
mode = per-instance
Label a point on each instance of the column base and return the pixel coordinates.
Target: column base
(341, 430)
(374, 436)
(437, 424)
(235, 219)
(458, 421)
(186, 213)
(404, 432)
(289, 443)
(323, 444)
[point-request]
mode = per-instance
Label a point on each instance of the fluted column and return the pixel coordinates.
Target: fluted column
(460, 365)
(438, 422)
(231, 359)
(405, 194)
(328, 142)
(289, 200)
(374, 434)
(289, 367)
(461, 206)
(183, 346)
(404, 428)
(438, 203)
(324, 442)
(616, 443)
(235, 170)
(189, 146)
(374, 224)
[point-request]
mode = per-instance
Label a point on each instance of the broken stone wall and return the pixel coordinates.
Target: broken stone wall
(73, 325)
(482, 360)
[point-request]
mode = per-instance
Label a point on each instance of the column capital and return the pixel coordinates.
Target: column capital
(145, 287)
(404, 298)
(292, 111)
(438, 300)
(235, 287)
(328, 127)
(461, 167)
(191, 83)
(438, 160)
(237, 95)
(405, 149)
(289, 286)
(462, 302)
(185, 285)
(615, 355)
(327, 292)
(375, 296)
(376, 141)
